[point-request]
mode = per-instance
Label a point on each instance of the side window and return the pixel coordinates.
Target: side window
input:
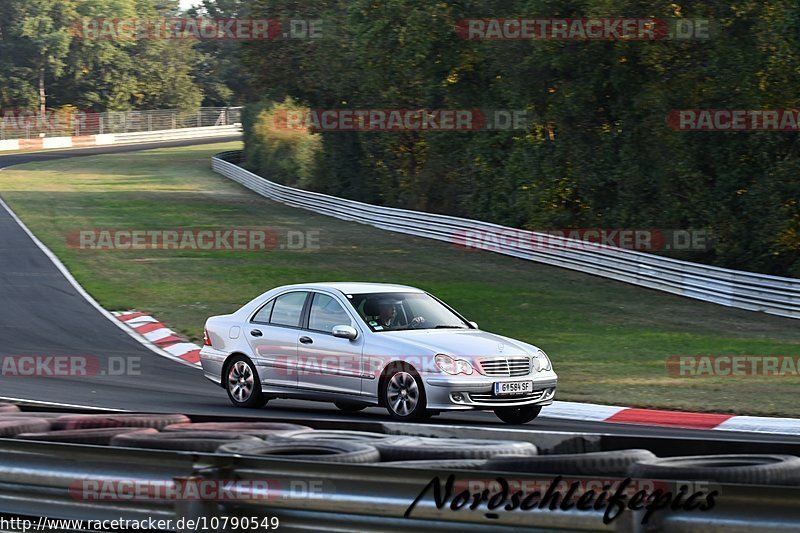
(288, 308)
(326, 312)
(264, 313)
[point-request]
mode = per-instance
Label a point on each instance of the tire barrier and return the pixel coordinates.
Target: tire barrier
(344, 468)
(29, 414)
(340, 434)
(190, 441)
(294, 441)
(15, 426)
(326, 451)
(262, 430)
(99, 436)
(121, 420)
(612, 463)
(423, 448)
(755, 469)
(441, 464)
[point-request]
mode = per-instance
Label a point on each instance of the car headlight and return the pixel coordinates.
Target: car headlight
(451, 366)
(544, 361)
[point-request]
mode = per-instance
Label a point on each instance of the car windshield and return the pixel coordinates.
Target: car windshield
(403, 311)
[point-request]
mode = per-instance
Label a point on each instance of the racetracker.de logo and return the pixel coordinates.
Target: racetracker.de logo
(366, 120)
(234, 239)
(734, 120)
(198, 489)
(581, 29)
(59, 366)
(400, 120)
(234, 29)
(34, 121)
(645, 240)
(696, 366)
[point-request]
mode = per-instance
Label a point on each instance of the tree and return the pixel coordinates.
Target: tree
(35, 42)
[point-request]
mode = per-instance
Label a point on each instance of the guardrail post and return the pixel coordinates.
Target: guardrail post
(193, 512)
(631, 522)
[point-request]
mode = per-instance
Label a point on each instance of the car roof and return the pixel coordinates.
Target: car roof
(355, 287)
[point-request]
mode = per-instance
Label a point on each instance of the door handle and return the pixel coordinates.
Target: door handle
(256, 333)
(306, 340)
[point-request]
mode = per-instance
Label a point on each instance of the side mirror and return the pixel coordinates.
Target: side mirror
(474, 324)
(344, 332)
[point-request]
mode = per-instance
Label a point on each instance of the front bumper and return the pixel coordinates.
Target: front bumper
(451, 393)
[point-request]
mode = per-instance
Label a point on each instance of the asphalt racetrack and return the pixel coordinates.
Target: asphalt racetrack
(42, 314)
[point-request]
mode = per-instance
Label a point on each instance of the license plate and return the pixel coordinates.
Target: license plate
(508, 388)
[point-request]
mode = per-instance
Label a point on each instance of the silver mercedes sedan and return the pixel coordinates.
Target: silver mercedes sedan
(371, 344)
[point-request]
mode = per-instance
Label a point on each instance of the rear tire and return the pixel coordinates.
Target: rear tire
(243, 384)
(350, 407)
(518, 415)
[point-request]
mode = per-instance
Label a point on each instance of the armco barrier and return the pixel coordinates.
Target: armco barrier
(744, 290)
(102, 483)
(119, 138)
(167, 135)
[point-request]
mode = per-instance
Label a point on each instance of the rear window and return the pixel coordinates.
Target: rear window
(288, 309)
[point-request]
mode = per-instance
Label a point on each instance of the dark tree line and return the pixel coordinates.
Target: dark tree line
(46, 61)
(599, 152)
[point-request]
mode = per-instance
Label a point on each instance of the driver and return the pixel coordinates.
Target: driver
(387, 315)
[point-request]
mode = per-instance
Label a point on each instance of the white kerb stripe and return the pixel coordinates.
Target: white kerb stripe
(158, 334)
(181, 348)
(580, 411)
(140, 321)
(761, 424)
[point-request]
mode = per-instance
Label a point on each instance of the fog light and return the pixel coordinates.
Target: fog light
(457, 397)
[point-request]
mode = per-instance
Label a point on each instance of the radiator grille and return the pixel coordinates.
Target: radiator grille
(503, 367)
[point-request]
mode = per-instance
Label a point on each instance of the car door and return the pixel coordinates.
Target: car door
(273, 334)
(325, 362)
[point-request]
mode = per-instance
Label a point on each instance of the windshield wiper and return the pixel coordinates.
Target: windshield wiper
(445, 326)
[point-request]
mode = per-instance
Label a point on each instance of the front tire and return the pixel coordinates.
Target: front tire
(518, 415)
(243, 384)
(404, 396)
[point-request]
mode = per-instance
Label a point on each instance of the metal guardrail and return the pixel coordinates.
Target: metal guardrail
(48, 479)
(166, 135)
(744, 290)
(22, 124)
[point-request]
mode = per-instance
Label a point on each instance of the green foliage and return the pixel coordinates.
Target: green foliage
(287, 155)
(219, 73)
(41, 43)
(598, 152)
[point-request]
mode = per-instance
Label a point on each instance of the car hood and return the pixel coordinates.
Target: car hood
(458, 343)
